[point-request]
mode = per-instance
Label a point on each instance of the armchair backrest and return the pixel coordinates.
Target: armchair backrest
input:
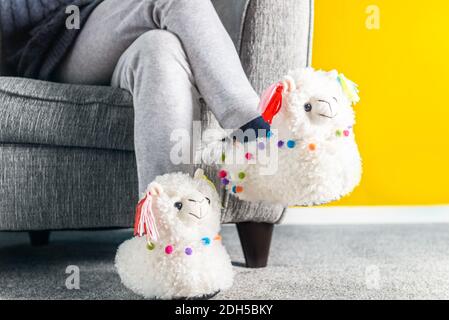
(232, 15)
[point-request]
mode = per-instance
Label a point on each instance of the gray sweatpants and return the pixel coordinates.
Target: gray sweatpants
(167, 53)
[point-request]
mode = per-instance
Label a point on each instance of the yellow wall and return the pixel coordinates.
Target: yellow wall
(403, 73)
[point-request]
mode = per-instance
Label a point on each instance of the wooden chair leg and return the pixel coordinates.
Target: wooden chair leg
(39, 238)
(256, 240)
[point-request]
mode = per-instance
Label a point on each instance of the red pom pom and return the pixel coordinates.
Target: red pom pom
(222, 174)
(169, 249)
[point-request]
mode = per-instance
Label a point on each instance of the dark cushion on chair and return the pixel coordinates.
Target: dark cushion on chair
(44, 113)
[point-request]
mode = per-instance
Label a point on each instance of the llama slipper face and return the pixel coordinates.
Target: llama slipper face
(310, 157)
(177, 251)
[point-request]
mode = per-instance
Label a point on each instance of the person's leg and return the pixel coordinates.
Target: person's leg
(219, 75)
(218, 72)
(156, 71)
(111, 28)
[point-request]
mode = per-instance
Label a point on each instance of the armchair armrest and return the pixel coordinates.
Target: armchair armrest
(276, 37)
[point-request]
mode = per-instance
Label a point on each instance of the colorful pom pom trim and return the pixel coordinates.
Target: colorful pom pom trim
(228, 179)
(170, 249)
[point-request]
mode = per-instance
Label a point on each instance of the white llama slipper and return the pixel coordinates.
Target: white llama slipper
(310, 156)
(177, 251)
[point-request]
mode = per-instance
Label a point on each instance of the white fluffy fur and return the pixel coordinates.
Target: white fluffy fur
(155, 274)
(306, 177)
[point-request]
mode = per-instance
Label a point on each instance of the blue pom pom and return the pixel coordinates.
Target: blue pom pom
(206, 241)
(291, 144)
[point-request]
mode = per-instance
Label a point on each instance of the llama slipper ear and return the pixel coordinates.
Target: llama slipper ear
(289, 84)
(156, 189)
(199, 174)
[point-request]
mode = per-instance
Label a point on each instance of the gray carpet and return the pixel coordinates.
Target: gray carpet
(307, 262)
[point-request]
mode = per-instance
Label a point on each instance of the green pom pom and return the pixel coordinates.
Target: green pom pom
(151, 246)
(338, 133)
(223, 157)
(242, 175)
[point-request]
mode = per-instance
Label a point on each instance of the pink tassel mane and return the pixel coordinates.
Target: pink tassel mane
(145, 223)
(271, 101)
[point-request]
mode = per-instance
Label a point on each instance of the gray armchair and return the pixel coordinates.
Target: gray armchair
(66, 151)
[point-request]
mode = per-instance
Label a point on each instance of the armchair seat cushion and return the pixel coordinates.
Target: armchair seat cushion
(45, 113)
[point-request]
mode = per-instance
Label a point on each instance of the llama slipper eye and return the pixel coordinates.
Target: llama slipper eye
(178, 205)
(208, 200)
(308, 107)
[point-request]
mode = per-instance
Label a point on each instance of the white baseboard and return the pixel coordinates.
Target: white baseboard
(367, 215)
